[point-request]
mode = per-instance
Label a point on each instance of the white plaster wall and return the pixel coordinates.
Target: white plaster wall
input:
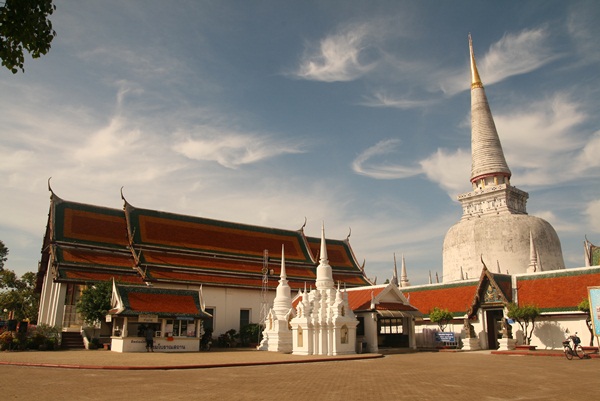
(502, 240)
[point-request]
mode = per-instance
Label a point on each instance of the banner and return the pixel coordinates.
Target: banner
(594, 298)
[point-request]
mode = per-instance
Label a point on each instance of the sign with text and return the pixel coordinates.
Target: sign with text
(445, 337)
(148, 318)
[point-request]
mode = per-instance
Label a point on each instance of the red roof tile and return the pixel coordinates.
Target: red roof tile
(162, 303)
(559, 291)
(456, 298)
(94, 227)
(361, 299)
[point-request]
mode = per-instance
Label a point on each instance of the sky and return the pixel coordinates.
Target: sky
(354, 114)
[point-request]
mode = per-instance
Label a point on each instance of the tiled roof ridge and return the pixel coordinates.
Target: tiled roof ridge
(129, 208)
(435, 286)
(574, 271)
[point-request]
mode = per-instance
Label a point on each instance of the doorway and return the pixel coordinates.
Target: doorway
(493, 319)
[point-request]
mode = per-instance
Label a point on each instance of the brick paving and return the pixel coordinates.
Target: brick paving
(272, 376)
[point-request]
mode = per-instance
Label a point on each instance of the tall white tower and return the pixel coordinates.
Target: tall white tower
(495, 225)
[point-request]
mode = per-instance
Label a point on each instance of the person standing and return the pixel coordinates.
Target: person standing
(149, 339)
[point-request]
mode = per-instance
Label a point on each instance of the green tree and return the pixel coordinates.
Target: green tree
(584, 306)
(18, 295)
(441, 317)
(24, 25)
(3, 255)
(524, 315)
(94, 303)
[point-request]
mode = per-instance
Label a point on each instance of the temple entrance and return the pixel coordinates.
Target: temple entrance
(493, 318)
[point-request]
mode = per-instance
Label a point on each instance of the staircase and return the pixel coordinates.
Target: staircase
(72, 340)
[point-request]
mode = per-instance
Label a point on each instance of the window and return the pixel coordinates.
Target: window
(179, 328)
(390, 326)
(244, 317)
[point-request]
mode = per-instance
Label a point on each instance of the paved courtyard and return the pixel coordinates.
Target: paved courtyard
(417, 376)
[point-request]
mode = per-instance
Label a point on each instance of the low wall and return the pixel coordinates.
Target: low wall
(161, 344)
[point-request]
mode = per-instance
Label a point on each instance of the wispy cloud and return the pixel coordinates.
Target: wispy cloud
(383, 99)
(514, 54)
(344, 55)
(448, 169)
(542, 141)
(363, 164)
(229, 148)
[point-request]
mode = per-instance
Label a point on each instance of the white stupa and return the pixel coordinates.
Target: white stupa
(495, 226)
(277, 335)
(324, 323)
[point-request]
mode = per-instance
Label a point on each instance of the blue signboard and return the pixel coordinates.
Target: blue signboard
(445, 337)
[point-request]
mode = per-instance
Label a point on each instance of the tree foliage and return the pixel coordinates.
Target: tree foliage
(18, 295)
(94, 302)
(3, 255)
(441, 317)
(24, 25)
(524, 315)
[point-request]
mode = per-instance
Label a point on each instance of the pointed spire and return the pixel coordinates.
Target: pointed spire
(283, 297)
(324, 273)
(430, 277)
(498, 265)
(533, 259)
(323, 257)
(282, 275)
(404, 277)
(488, 164)
(395, 276)
(462, 275)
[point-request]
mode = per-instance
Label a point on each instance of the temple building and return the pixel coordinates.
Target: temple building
(152, 255)
(495, 226)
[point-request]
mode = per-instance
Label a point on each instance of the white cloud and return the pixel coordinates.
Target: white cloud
(540, 139)
(229, 148)
(514, 54)
(381, 99)
(449, 170)
(592, 213)
(364, 165)
(343, 56)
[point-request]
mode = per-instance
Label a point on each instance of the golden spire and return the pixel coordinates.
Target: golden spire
(475, 80)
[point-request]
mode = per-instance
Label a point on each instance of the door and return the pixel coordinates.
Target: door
(493, 319)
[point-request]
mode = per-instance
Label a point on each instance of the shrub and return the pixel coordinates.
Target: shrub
(441, 316)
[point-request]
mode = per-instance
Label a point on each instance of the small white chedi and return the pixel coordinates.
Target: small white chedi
(322, 323)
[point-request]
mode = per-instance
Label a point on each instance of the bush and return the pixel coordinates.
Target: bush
(250, 334)
(6, 340)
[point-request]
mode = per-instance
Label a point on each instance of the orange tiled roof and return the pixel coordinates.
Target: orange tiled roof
(456, 298)
(360, 299)
(163, 302)
(338, 252)
(176, 248)
(557, 291)
(80, 276)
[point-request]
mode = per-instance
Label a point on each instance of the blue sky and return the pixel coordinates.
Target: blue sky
(355, 113)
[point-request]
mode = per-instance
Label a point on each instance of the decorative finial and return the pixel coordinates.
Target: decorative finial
(475, 80)
(49, 187)
(303, 225)
(349, 233)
